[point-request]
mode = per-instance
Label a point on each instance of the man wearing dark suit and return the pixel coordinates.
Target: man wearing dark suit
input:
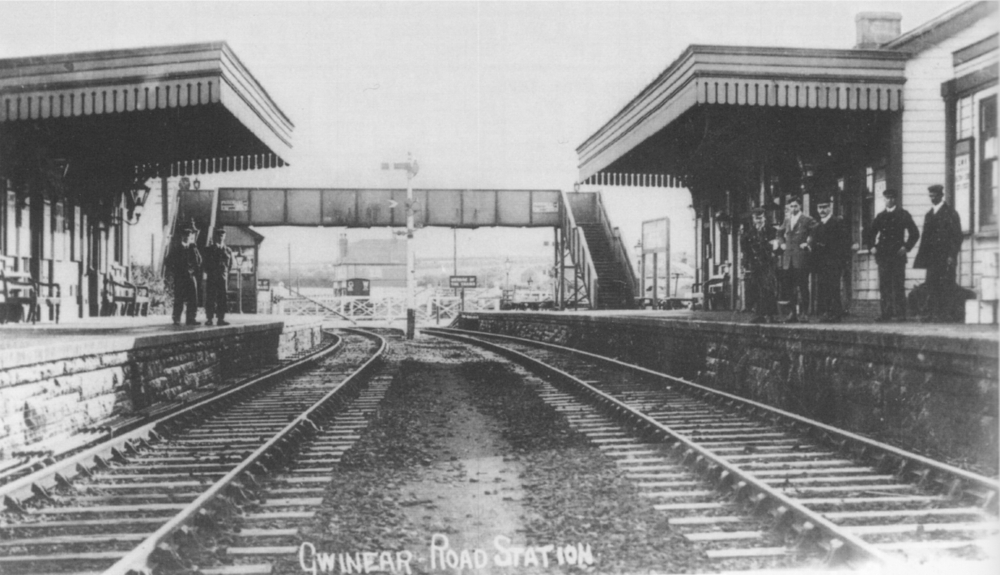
(938, 253)
(217, 261)
(831, 254)
(890, 227)
(759, 268)
(185, 265)
(796, 235)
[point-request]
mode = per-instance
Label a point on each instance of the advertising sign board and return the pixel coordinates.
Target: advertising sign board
(656, 235)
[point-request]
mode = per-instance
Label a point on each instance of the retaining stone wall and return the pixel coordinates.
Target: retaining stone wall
(935, 395)
(295, 340)
(43, 402)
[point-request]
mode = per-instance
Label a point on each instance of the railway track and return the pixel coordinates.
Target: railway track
(755, 486)
(269, 530)
(158, 496)
(118, 426)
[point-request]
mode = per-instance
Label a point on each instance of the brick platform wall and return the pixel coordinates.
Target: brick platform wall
(42, 402)
(935, 395)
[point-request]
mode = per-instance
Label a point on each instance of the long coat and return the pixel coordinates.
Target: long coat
(831, 244)
(793, 237)
(758, 255)
(760, 270)
(185, 261)
(942, 238)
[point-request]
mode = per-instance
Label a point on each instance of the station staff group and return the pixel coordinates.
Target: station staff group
(803, 245)
(784, 256)
(187, 263)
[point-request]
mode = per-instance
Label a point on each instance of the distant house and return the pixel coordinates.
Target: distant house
(382, 262)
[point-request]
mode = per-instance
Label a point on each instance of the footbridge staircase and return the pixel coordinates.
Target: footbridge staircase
(595, 271)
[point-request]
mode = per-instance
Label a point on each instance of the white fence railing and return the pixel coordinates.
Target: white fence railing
(434, 310)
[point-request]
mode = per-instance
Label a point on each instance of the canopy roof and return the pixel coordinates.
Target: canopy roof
(747, 76)
(184, 109)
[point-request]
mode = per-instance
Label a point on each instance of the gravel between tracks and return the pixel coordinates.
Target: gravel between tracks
(463, 448)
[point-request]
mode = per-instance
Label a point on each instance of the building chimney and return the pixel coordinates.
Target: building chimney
(876, 28)
(343, 247)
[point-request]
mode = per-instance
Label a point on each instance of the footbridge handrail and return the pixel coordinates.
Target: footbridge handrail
(619, 250)
(579, 249)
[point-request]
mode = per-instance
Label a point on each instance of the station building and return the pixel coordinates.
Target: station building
(85, 137)
(380, 262)
(743, 127)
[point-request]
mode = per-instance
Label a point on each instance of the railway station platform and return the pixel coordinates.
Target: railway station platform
(60, 384)
(926, 387)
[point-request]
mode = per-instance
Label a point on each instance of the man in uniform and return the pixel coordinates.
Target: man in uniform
(796, 235)
(890, 227)
(185, 265)
(831, 254)
(938, 253)
(218, 262)
(759, 268)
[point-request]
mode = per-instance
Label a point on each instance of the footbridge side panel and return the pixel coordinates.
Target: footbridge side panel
(366, 208)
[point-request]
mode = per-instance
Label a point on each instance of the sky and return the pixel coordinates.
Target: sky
(483, 94)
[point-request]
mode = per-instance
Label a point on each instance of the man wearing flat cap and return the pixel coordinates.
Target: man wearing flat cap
(185, 266)
(891, 235)
(938, 253)
(831, 255)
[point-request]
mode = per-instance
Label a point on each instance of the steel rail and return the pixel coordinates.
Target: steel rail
(979, 480)
(722, 467)
(138, 560)
(64, 470)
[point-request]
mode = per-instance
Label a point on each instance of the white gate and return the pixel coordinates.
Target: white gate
(436, 310)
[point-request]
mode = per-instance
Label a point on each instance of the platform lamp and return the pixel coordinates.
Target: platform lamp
(240, 260)
(135, 201)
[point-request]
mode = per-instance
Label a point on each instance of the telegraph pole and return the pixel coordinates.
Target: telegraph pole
(411, 168)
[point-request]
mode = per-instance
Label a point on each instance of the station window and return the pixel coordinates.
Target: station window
(961, 196)
(45, 239)
(5, 223)
(988, 161)
(59, 232)
(119, 238)
(22, 221)
(871, 200)
(974, 160)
